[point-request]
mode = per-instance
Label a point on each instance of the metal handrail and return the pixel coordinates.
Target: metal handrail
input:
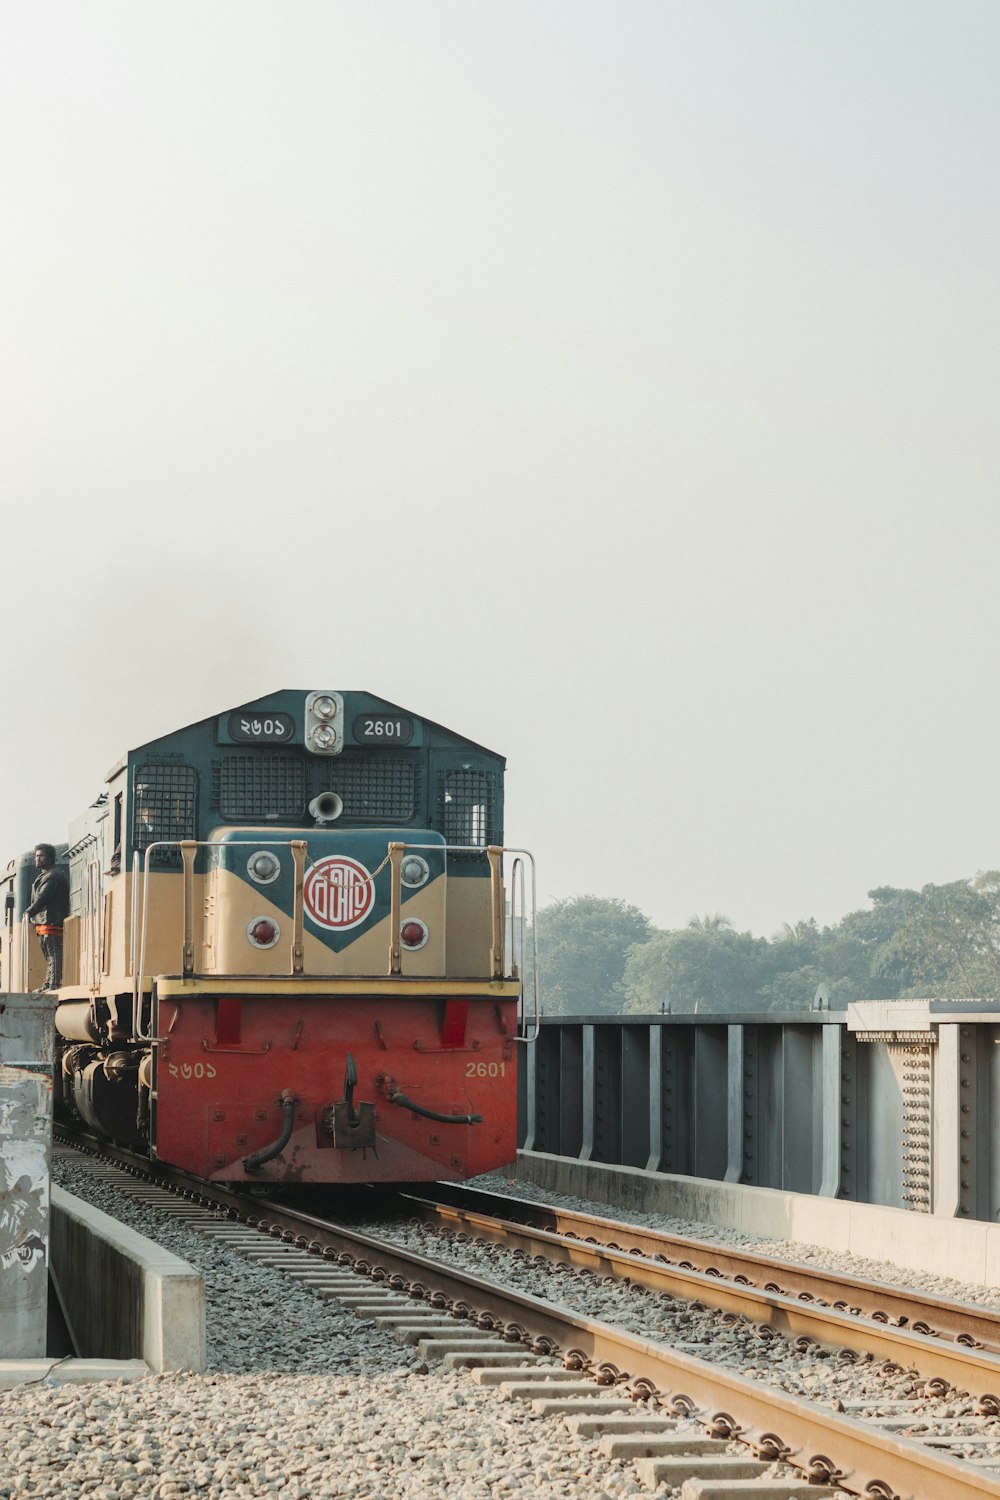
(497, 936)
(94, 922)
(394, 859)
(25, 928)
(134, 934)
(516, 925)
(184, 845)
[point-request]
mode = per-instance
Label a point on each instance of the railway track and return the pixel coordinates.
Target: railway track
(640, 1397)
(612, 1247)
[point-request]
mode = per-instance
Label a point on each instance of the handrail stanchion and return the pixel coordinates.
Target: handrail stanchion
(299, 847)
(495, 856)
(141, 1035)
(134, 936)
(395, 906)
(25, 924)
(94, 923)
(189, 848)
(517, 920)
(537, 1020)
(517, 877)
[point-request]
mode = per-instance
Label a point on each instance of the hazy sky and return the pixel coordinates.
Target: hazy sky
(616, 383)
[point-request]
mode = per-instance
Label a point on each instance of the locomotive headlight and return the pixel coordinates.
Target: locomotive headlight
(413, 934)
(262, 932)
(414, 871)
(324, 707)
(324, 736)
(263, 867)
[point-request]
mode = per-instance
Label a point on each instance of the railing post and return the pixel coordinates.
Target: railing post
(531, 1101)
(588, 1071)
(395, 904)
(298, 883)
(953, 1111)
(735, 1096)
(189, 848)
(495, 856)
(655, 1104)
(831, 1181)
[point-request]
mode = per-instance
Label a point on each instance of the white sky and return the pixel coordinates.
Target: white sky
(614, 383)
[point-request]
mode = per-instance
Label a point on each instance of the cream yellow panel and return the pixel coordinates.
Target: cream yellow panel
(469, 927)
(165, 921)
(234, 904)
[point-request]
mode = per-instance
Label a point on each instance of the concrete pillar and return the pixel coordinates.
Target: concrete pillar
(25, 1148)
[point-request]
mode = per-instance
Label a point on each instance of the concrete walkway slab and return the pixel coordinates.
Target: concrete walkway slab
(127, 1297)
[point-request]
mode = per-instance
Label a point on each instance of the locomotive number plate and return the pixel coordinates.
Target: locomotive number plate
(395, 728)
(261, 729)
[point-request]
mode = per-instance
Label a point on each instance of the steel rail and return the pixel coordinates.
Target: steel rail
(811, 1438)
(959, 1365)
(879, 1299)
(822, 1444)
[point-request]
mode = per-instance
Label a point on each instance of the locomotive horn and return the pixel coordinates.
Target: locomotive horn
(327, 807)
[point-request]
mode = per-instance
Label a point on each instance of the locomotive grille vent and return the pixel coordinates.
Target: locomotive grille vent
(259, 786)
(466, 807)
(382, 790)
(164, 807)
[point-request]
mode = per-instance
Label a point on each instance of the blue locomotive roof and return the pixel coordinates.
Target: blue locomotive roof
(285, 710)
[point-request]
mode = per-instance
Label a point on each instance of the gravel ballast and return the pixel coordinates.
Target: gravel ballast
(791, 1250)
(301, 1400)
(304, 1401)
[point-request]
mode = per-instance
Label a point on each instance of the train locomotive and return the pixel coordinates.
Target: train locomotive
(292, 955)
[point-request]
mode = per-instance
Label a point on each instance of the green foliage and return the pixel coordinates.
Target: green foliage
(601, 956)
(695, 969)
(583, 943)
(948, 944)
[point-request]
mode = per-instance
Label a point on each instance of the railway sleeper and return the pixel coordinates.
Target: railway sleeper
(757, 1489)
(624, 1429)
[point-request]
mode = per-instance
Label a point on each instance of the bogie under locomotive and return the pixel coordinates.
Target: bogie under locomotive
(289, 953)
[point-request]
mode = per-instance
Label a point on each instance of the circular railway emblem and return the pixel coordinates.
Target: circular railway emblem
(338, 893)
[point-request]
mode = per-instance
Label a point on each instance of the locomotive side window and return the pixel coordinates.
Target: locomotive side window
(116, 846)
(465, 807)
(164, 806)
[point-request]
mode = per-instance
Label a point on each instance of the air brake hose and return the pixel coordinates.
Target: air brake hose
(434, 1114)
(256, 1159)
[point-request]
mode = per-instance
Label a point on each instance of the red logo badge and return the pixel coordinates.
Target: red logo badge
(338, 893)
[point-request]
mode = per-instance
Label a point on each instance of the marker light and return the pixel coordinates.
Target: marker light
(414, 870)
(263, 932)
(413, 933)
(263, 867)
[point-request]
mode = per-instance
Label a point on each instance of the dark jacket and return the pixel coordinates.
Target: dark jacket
(49, 897)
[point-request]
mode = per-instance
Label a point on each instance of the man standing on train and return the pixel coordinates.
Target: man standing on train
(48, 911)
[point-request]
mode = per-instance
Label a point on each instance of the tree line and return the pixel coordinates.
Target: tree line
(601, 955)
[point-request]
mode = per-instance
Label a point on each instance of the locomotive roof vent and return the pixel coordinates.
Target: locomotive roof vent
(326, 808)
